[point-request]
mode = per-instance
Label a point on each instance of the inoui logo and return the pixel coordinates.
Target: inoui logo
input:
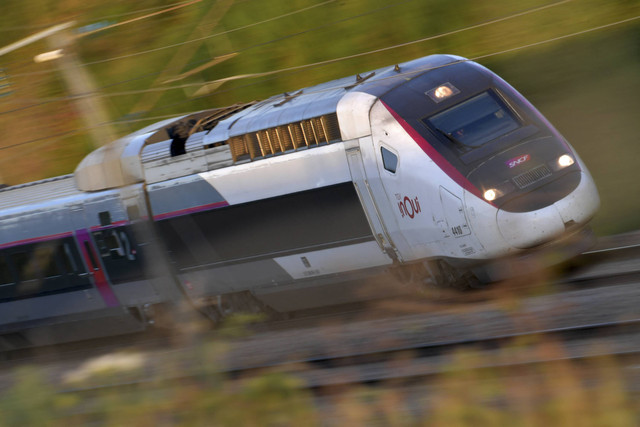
(518, 160)
(408, 207)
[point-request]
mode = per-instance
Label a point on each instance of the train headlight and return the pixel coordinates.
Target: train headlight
(490, 195)
(442, 92)
(565, 160)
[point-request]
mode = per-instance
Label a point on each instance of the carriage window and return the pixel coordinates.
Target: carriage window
(389, 160)
(68, 260)
(475, 121)
(35, 270)
(26, 270)
(121, 257)
(5, 273)
(45, 257)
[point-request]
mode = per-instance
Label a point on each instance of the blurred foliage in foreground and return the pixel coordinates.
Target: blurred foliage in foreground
(587, 85)
(557, 393)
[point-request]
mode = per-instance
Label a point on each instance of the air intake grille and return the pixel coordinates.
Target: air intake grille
(532, 176)
(293, 136)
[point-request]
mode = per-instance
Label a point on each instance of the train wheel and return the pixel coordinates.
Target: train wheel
(246, 302)
(213, 313)
(447, 276)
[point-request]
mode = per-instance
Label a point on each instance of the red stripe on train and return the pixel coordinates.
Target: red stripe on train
(439, 160)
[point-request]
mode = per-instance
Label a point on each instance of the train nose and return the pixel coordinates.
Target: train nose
(527, 229)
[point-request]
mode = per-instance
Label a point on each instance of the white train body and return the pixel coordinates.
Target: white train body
(436, 164)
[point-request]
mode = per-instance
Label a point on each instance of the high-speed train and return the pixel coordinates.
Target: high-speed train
(432, 168)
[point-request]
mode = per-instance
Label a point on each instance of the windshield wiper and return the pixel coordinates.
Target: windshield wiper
(458, 144)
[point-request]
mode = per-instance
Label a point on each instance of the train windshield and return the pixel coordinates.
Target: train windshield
(475, 122)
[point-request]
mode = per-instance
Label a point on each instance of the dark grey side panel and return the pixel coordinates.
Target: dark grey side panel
(180, 194)
(309, 220)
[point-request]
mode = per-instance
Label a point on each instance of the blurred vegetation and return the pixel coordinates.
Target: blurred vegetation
(587, 85)
(474, 390)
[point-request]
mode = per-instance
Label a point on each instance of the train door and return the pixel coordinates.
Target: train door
(157, 282)
(371, 198)
(92, 260)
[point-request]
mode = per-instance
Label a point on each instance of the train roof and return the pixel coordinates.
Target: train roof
(145, 155)
(322, 99)
(38, 192)
(123, 161)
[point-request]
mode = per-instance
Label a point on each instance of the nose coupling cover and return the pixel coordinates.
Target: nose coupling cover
(528, 229)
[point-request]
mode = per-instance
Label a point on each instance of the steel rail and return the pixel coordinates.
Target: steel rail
(376, 366)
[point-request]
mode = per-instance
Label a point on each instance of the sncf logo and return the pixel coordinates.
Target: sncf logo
(518, 160)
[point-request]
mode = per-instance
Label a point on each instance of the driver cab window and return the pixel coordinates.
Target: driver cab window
(389, 160)
(476, 121)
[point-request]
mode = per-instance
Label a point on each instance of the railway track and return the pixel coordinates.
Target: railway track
(413, 350)
(590, 318)
(590, 314)
(613, 260)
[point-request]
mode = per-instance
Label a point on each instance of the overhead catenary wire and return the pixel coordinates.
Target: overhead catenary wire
(149, 9)
(56, 28)
(166, 8)
(344, 58)
(475, 58)
(101, 61)
(304, 9)
(97, 19)
(194, 63)
(187, 85)
(102, 24)
(367, 53)
(138, 18)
